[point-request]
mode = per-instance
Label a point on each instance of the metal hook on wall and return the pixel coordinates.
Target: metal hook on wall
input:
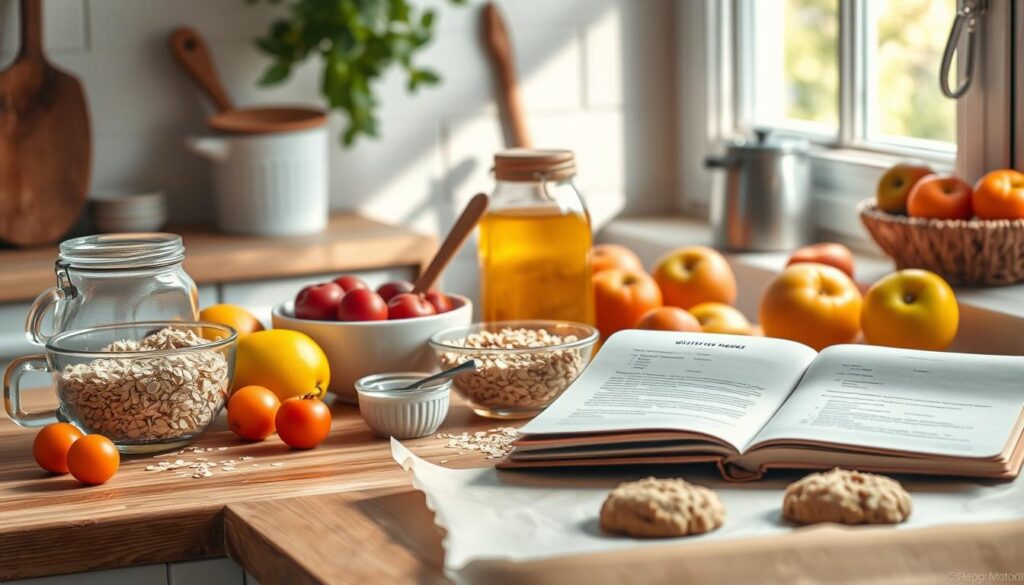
(966, 17)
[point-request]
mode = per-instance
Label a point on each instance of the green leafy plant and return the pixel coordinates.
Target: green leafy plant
(358, 41)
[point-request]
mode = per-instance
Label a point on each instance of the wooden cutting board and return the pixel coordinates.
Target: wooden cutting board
(45, 142)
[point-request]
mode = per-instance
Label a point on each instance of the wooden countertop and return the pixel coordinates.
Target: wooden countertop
(350, 242)
(345, 513)
(51, 524)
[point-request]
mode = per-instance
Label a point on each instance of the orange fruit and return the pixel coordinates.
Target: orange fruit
(621, 297)
(251, 412)
(233, 316)
(814, 304)
(605, 256)
(939, 197)
(668, 319)
(1000, 195)
(51, 445)
(93, 459)
(289, 363)
(721, 318)
(694, 275)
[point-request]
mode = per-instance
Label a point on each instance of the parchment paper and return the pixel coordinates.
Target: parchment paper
(519, 516)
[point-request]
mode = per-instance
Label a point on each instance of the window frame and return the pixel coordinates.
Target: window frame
(844, 169)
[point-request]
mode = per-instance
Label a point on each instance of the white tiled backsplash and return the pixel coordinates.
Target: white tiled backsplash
(596, 77)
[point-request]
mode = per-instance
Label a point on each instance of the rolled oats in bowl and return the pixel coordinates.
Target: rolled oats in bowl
(523, 365)
(146, 388)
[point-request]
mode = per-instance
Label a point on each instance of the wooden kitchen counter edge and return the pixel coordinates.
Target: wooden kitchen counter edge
(351, 242)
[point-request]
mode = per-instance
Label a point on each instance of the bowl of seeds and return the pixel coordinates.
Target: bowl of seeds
(523, 366)
(147, 387)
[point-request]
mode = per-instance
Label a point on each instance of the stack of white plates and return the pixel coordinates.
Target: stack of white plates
(145, 212)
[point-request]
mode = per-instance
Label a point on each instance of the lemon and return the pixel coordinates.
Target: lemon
(287, 362)
(233, 316)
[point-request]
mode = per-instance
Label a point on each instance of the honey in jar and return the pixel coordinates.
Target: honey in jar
(535, 241)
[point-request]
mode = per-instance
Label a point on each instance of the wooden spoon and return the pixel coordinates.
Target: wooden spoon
(190, 51)
(456, 236)
(45, 142)
(499, 48)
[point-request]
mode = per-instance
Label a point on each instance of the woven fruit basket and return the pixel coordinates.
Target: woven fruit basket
(965, 252)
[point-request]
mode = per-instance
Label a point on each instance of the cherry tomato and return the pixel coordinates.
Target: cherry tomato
(303, 423)
(389, 290)
(362, 304)
(349, 283)
(442, 303)
(251, 412)
(318, 301)
(50, 447)
(408, 305)
(93, 459)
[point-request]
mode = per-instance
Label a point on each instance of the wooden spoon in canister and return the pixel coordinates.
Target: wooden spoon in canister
(190, 51)
(45, 142)
(456, 236)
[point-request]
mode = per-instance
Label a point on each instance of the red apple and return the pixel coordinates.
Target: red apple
(388, 290)
(829, 253)
(408, 305)
(895, 185)
(442, 302)
(318, 301)
(350, 283)
(362, 304)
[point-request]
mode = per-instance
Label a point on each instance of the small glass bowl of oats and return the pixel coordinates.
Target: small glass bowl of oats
(523, 365)
(148, 387)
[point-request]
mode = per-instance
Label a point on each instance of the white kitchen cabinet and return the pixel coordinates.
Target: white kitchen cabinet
(222, 571)
(218, 571)
(260, 296)
(144, 575)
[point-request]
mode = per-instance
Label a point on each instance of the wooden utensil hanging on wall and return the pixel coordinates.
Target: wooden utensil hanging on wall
(45, 142)
(499, 49)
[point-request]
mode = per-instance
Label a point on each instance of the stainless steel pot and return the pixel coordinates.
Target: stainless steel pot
(763, 202)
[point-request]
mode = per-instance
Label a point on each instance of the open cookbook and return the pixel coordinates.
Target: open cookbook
(750, 404)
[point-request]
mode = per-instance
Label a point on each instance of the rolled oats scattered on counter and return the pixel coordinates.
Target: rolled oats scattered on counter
(494, 443)
(515, 379)
(199, 468)
(143, 398)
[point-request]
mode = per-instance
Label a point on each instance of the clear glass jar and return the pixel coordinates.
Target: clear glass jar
(535, 241)
(115, 278)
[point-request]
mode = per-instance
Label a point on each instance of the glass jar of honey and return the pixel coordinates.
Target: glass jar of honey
(535, 240)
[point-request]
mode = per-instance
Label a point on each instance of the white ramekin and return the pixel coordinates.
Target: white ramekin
(402, 414)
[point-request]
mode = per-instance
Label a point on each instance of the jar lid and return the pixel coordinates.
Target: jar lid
(532, 164)
(120, 251)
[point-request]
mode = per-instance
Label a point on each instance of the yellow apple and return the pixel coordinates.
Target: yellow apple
(815, 304)
(912, 308)
(694, 275)
(721, 318)
(894, 186)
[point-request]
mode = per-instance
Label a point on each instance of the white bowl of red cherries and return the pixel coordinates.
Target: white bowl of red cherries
(365, 331)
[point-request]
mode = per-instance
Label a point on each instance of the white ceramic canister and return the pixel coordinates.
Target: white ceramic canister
(272, 184)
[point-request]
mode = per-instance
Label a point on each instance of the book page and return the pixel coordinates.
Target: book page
(727, 386)
(948, 404)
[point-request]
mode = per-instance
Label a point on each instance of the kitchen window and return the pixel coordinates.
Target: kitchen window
(860, 80)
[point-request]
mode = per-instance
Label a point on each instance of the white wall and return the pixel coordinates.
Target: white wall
(597, 76)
